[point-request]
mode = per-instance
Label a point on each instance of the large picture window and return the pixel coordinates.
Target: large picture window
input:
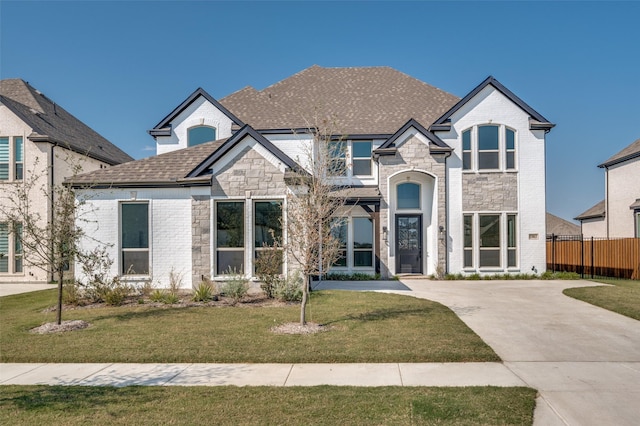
(267, 226)
(489, 147)
(229, 237)
(134, 238)
(490, 240)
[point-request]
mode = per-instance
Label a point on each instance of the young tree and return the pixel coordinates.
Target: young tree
(49, 243)
(312, 205)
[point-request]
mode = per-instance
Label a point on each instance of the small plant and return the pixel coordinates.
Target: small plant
(145, 288)
(175, 281)
(157, 295)
(289, 289)
(203, 292)
(269, 266)
(236, 286)
(170, 298)
(71, 294)
(116, 293)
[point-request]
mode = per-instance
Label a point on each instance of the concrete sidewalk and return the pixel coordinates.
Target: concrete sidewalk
(391, 374)
(9, 289)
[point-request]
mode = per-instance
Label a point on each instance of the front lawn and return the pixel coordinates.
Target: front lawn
(365, 327)
(74, 405)
(623, 296)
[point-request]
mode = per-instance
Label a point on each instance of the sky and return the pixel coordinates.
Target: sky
(122, 66)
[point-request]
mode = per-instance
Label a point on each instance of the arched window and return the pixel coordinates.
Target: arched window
(408, 195)
(201, 134)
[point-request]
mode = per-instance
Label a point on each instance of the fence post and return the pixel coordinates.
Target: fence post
(582, 256)
(592, 258)
(553, 252)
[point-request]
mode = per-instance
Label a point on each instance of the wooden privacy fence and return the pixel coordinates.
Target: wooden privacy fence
(616, 258)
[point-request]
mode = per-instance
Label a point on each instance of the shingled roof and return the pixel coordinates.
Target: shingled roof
(363, 100)
(597, 211)
(169, 169)
(632, 151)
(52, 123)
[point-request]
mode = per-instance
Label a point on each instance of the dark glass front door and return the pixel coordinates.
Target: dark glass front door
(408, 244)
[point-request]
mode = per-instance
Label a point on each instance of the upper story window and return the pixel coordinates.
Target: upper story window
(201, 134)
(351, 158)
(489, 147)
(11, 158)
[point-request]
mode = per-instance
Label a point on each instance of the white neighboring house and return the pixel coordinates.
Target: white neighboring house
(618, 215)
(438, 183)
(37, 136)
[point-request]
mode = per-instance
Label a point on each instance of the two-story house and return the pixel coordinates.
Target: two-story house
(618, 215)
(39, 139)
(437, 183)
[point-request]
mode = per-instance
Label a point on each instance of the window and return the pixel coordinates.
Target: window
(489, 240)
(362, 158)
(17, 248)
(201, 134)
(337, 151)
(229, 237)
(489, 147)
(512, 258)
(135, 238)
(408, 195)
(362, 241)
(339, 228)
(11, 158)
(267, 225)
(466, 150)
(468, 241)
(637, 214)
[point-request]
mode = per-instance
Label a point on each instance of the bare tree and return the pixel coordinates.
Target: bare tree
(49, 243)
(312, 205)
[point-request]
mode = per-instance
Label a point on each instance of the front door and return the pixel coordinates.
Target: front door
(409, 244)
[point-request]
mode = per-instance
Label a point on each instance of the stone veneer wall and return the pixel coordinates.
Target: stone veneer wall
(489, 192)
(201, 238)
(249, 172)
(413, 153)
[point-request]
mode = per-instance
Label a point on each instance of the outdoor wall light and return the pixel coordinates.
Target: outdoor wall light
(385, 233)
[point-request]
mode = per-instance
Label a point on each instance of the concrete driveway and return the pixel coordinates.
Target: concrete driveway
(9, 289)
(583, 360)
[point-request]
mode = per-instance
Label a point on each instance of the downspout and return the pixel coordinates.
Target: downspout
(51, 197)
(606, 198)
(446, 214)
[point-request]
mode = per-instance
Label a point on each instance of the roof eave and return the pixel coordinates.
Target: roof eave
(177, 183)
(37, 138)
(619, 160)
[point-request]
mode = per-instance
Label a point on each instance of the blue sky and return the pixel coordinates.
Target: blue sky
(122, 66)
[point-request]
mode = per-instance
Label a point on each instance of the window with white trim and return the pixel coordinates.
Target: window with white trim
(229, 251)
(637, 216)
(489, 147)
(490, 240)
(351, 158)
(361, 164)
(134, 238)
(356, 237)
(10, 248)
(267, 227)
(200, 134)
(11, 158)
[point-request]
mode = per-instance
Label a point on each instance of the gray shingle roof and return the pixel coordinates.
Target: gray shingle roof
(599, 210)
(631, 151)
(559, 226)
(363, 100)
(171, 168)
(50, 122)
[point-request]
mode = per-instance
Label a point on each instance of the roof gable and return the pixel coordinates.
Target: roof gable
(597, 211)
(630, 152)
(436, 144)
(536, 120)
(162, 129)
(53, 124)
(233, 141)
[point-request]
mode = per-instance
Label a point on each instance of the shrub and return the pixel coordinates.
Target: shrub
(170, 298)
(203, 292)
(71, 294)
(236, 286)
(157, 295)
(175, 281)
(269, 267)
(115, 293)
(289, 289)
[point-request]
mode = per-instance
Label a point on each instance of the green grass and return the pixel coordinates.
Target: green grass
(623, 296)
(366, 327)
(71, 405)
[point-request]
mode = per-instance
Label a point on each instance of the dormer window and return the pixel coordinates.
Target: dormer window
(201, 134)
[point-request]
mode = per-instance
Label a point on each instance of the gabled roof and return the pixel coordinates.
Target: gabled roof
(169, 169)
(536, 121)
(597, 211)
(52, 123)
(559, 226)
(436, 144)
(233, 141)
(628, 153)
(162, 129)
(362, 100)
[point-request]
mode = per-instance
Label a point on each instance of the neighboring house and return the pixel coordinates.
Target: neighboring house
(437, 183)
(618, 215)
(37, 136)
(561, 227)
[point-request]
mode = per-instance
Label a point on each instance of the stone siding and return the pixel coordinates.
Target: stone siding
(250, 171)
(201, 238)
(489, 192)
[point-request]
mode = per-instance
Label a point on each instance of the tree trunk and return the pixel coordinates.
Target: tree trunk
(59, 310)
(305, 297)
